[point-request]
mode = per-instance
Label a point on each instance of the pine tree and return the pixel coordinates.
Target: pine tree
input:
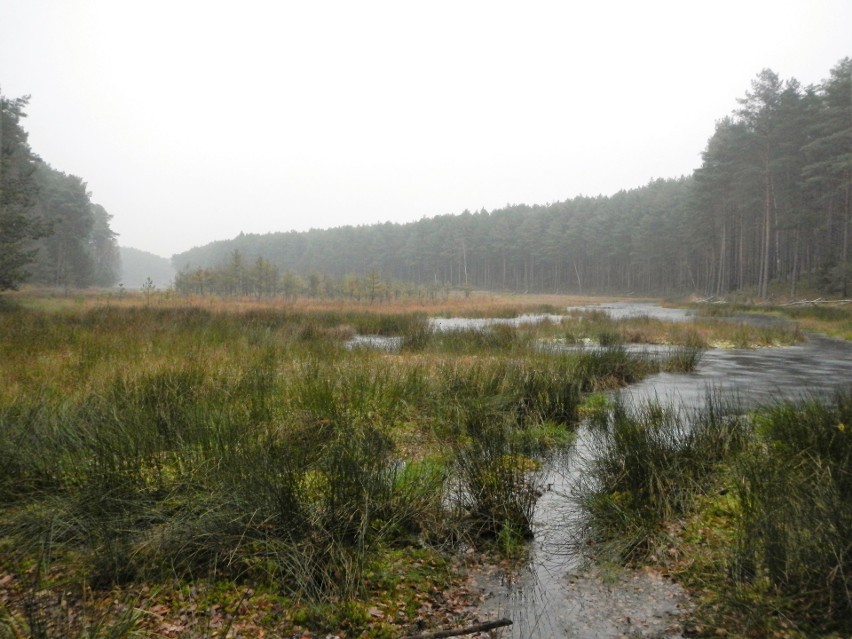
(18, 190)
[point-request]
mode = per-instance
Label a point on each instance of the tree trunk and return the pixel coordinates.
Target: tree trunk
(579, 279)
(767, 236)
(844, 250)
(795, 274)
(721, 289)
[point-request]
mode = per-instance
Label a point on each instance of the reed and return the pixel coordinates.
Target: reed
(683, 359)
(495, 493)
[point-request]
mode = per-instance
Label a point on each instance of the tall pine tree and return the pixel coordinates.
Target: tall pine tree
(18, 190)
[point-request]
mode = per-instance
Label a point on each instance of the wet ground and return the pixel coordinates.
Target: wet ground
(558, 593)
(555, 593)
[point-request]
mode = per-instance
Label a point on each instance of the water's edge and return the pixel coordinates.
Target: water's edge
(556, 594)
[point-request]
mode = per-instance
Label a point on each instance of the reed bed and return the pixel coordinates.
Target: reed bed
(173, 444)
(832, 318)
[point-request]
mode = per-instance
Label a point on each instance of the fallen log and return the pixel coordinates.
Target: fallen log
(455, 632)
(818, 300)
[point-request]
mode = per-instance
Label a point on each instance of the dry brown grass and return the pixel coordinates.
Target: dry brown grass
(479, 303)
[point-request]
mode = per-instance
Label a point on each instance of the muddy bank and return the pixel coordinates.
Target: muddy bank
(595, 603)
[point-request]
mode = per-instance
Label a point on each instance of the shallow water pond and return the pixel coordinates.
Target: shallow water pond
(447, 325)
(379, 342)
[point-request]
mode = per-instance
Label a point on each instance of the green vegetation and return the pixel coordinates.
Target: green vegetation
(148, 446)
(646, 466)
(223, 463)
(833, 319)
(17, 194)
(50, 231)
(753, 512)
(767, 213)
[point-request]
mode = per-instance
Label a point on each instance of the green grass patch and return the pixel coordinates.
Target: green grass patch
(752, 513)
(171, 447)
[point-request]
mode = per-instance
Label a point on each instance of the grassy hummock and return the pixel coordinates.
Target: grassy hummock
(752, 512)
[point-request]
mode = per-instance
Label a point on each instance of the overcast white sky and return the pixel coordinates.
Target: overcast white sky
(193, 120)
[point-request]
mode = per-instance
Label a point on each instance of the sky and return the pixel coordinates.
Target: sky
(195, 120)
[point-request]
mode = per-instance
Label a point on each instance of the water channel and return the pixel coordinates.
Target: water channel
(557, 595)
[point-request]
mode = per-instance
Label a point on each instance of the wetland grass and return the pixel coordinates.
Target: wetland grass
(645, 467)
(154, 445)
(834, 319)
(172, 446)
(495, 493)
(753, 511)
(794, 489)
(711, 329)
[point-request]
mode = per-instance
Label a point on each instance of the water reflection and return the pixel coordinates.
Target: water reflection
(755, 376)
(557, 593)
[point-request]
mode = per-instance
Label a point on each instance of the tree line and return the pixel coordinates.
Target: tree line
(767, 211)
(51, 232)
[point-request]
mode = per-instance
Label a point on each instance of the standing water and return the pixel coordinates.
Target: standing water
(556, 594)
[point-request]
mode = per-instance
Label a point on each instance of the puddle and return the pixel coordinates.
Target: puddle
(380, 342)
(624, 310)
(445, 324)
